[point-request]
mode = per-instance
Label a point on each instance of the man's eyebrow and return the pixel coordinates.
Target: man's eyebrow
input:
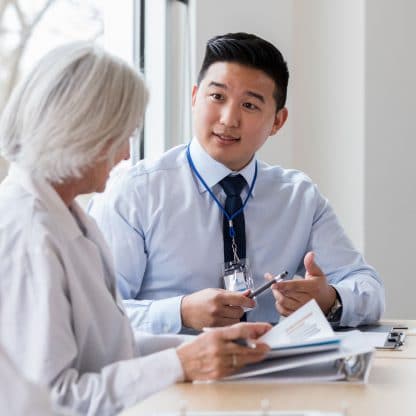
(217, 84)
(249, 93)
(256, 95)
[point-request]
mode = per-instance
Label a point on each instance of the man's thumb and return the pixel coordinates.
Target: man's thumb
(311, 267)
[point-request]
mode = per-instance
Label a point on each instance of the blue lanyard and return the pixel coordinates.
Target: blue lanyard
(229, 217)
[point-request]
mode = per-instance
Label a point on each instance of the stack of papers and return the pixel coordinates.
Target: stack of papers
(306, 330)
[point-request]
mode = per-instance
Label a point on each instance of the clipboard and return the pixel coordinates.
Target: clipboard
(386, 337)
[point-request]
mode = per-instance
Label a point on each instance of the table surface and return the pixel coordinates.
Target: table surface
(391, 389)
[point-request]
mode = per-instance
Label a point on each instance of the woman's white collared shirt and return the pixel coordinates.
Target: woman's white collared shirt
(18, 397)
(61, 319)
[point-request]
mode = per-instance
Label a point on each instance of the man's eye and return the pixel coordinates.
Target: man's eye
(250, 106)
(217, 97)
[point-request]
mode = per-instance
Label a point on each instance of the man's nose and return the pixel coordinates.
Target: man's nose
(230, 115)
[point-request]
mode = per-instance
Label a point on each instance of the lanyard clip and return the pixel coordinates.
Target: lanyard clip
(231, 228)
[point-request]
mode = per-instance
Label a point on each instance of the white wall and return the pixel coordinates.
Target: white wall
(390, 172)
(328, 106)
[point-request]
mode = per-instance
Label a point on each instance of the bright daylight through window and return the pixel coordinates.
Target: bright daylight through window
(31, 28)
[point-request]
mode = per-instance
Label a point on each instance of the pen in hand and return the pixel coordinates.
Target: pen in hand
(268, 284)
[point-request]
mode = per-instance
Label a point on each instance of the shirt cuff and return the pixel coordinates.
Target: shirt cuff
(165, 362)
(165, 315)
(348, 317)
(144, 375)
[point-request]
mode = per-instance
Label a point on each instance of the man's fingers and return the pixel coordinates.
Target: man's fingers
(287, 302)
(224, 321)
(283, 311)
(292, 287)
(311, 267)
(236, 299)
(281, 296)
(231, 312)
(293, 303)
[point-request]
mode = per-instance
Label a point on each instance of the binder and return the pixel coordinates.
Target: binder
(304, 348)
(350, 363)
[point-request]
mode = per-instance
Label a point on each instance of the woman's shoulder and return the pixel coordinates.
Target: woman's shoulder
(24, 221)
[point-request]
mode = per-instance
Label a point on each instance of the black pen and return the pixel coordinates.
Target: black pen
(261, 289)
(245, 343)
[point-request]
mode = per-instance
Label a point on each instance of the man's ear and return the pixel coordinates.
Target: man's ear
(194, 92)
(279, 121)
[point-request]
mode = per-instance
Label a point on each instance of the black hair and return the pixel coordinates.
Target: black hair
(253, 51)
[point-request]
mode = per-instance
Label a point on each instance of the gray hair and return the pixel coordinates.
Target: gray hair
(77, 103)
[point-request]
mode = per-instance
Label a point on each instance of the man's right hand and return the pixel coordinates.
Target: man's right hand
(214, 307)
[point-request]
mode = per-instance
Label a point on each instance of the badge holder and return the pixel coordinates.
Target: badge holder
(237, 276)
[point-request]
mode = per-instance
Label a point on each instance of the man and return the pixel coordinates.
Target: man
(170, 246)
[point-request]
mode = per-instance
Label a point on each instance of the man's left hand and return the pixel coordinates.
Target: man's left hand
(291, 295)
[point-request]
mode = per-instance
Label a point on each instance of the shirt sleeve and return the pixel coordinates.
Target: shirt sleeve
(146, 343)
(117, 213)
(20, 397)
(357, 283)
(46, 348)
(117, 386)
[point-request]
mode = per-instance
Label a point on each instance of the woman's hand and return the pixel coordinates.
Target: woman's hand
(214, 355)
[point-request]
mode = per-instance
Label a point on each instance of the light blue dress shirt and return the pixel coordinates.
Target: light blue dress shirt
(165, 232)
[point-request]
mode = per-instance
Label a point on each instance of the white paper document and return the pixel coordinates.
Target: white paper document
(306, 330)
(376, 339)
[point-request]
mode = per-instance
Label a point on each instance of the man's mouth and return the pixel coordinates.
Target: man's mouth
(226, 138)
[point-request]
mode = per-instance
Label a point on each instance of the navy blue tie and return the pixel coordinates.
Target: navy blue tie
(233, 185)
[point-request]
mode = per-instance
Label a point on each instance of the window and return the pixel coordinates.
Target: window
(154, 35)
(31, 28)
(167, 70)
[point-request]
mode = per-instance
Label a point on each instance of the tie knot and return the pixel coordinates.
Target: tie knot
(233, 185)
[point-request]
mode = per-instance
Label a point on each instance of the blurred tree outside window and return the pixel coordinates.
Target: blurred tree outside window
(30, 28)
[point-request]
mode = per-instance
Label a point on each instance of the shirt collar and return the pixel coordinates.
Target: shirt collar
(44, 192)
(212, 171)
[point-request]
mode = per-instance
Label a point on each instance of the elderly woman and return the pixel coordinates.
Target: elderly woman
(61, 318)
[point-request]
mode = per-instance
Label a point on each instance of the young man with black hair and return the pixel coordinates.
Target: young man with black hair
(212, 203)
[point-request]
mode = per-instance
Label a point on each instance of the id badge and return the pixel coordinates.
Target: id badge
(237, 276)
